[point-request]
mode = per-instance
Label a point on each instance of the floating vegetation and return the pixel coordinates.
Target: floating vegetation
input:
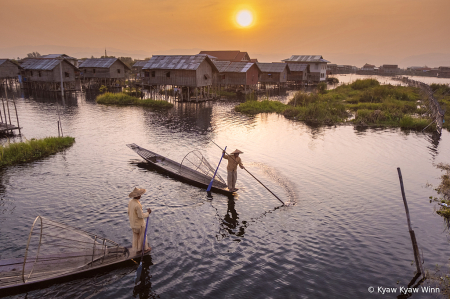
(443, 190)
(31, 150)
(124, 99)
(372, 104)
(442, 93)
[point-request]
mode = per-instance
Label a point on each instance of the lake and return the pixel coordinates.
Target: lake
(344, 231)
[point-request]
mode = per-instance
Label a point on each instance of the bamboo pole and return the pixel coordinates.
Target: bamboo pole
(417, 257)
(7, 106)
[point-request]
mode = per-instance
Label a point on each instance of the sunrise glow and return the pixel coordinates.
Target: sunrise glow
(244, 18)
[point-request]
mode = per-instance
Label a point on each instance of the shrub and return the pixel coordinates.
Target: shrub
(364, 84)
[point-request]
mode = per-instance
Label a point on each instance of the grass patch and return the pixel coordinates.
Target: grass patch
(373, 105)
(29, 151)
(255, 107)
(224, 93)
(125, 99)
(442, 93)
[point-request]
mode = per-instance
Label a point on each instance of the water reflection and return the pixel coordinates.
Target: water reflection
(144, 290)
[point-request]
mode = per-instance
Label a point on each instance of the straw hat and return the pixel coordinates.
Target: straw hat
(236, 151)
(136, 192)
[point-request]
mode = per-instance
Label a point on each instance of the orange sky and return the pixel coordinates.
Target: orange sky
(393, 29)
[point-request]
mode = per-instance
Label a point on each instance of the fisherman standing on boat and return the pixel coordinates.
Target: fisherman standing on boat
(233, 161)
(137, 222)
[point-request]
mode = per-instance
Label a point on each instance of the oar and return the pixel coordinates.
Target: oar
(249, 173)
(208, 190)
(139, 269)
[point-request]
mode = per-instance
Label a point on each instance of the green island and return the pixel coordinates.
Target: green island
(124, 99)
(31, 150)
(363, 103)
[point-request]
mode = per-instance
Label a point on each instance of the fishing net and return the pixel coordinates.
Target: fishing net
(55, 249)
(195, 166)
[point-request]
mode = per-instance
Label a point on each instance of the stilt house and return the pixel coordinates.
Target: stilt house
(137, 67)
(233, 56)
(105, 68)
(8, 70)
(191, 73)
(274, 73)
(298, 73)
(318, 66)
(237, 74)
(72, 60)
(45, 73)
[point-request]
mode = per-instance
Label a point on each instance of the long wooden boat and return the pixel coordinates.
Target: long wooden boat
(181, 172)
(56, 253)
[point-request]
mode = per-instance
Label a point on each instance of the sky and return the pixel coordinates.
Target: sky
(343, 31)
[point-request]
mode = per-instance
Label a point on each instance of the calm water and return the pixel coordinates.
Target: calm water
(345, 231)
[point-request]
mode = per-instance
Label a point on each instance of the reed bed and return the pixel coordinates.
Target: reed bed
(124, 99)
(372, 104)
(31, 150)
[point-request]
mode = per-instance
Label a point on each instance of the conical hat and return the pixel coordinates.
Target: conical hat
(137, 192)
(236, 151)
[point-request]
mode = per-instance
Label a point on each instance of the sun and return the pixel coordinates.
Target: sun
(244, 18)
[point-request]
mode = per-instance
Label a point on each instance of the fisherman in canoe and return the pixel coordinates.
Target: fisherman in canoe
(233, 161)
(137, 222)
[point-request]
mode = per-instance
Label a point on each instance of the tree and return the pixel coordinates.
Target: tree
(33, 55)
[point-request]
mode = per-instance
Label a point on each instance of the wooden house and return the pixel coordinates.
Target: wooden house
(137, 67)
(110, 72)
(298, 73)
(318, 66)
(444, 72)
(238, 75)
(72, 60)
(274, 73)
(233, 56)
(192, 73)
(389, 69)
(9, 71)
(47, 74)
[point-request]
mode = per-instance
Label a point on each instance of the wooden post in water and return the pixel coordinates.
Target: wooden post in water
(417, 257)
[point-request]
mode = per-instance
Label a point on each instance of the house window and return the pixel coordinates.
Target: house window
(93, 70)
(31, 73)
(153, 74)
(118, 71)
(270, 76)
(66, 74)
(168, 74)
(222, 77)
(205, 76)
(147, 74)
(39, 73)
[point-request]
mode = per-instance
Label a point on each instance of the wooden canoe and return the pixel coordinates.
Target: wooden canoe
(180, 172)
(12, 278)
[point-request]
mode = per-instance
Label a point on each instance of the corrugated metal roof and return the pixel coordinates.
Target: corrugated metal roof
(2, 61)
(221, 65)
(306, 58)
(239, 67)
(98, 62)
(176, 62)
(274, 67)
(140, 63)
(39, 64)
(57, 55)
(297, 67)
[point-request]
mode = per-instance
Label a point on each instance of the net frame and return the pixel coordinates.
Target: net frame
(194, 161)
(102, 251)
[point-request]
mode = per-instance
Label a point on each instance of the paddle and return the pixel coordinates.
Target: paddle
(208, 190)
(139, 269)
(249, 173)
